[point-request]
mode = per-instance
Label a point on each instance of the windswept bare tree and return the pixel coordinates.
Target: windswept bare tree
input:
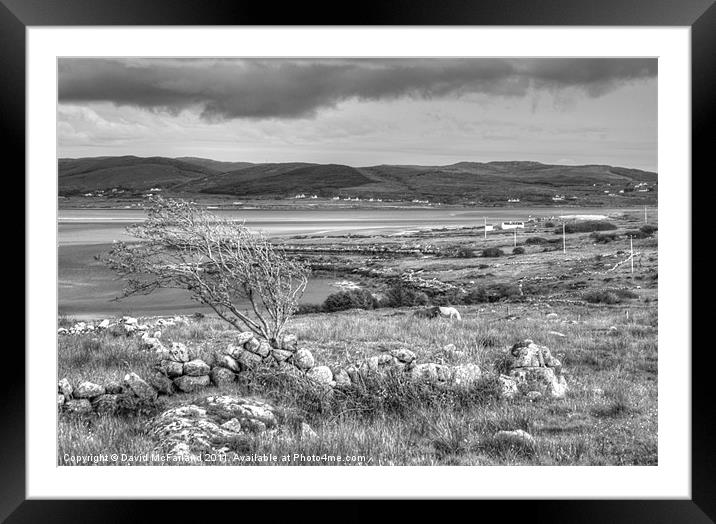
(217, 260)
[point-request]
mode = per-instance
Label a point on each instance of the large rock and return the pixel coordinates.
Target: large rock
(177, 352)
(341, 377)
(516, 438)
(88, 390)
(321, 374)
(466, 375)
(528, 354)
(210, 425)
(187, 383)
(243, 338)
(170, 368)
(303, 359)
(104, 324)
(139, 387)
(221, 376)
(79, 406)
(60, 400)
(281, 355)
(264, 349)
(64, 387)
(508, 386)
(248, 360)
(161, 382)
(252, 345)
(228, 362)
(113, 387)
(234, 350)
(196, 368)
(151, 343)
(543, 380)
(431, 372)
(403, 355)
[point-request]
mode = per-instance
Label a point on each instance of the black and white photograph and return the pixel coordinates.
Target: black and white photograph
(357, 261)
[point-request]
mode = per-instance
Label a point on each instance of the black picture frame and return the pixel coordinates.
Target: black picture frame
(700, 15)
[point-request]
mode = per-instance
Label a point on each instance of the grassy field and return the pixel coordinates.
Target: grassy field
(604, 333)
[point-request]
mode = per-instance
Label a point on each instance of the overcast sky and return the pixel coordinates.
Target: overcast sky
(362, 111)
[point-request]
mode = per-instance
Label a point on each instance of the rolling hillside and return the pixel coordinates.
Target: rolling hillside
(128, 172)
(531, 182)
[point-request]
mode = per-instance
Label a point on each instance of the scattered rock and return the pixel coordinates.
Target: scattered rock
(64, 387)
(248, 360)
(533, 395)
(139, 387)
(341, 377)
(264, 349)
(243, 338)
(252, 345)
(431, 372)
(281, 355)
(321, 374)
(113, 387)
(60, 399)
(161, 382)
(170, 368)
(188, 383)
(466, 375)
(232, 425)
(79, 406)
(541, 379)
(404, 355)
(557, 334)
(517, 438)
(508, 387)
(104, 324)
(303, 359)
(88, 390)
(222, 376)
(196, 368)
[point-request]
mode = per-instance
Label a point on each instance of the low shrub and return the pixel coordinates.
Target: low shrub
(492, 252)
(400, 295)
(464, 252)
(353, 299)
(531, 241)
(604, 238)
(608, 296)
(649, 229)
(586, 226)
(518, 251)
(306, 309)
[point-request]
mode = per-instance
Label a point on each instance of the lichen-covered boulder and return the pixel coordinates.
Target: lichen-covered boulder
(243, 338)
(222, 376)
(281, 355)
(177, 352)
(404, 355)
(263, 349)
(288, 341)
(321, 374)
(341, 377)
(196, 368)
(139, 387)
(248, 360)
(78, 406)
(303, 359)
(60, 399)
(161, 382)
(508, 386)
(252, 345)
(113, 387)
(516, 438)
(170, 368)
(431, 372)
(466, 374)
(541, 379)
(88, 389)
(188, 383)
(64, 387)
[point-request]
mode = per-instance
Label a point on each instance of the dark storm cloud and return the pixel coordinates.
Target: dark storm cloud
(291, 88)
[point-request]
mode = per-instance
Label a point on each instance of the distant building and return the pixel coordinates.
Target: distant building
(489, 227)
(513, 200)
(512, 224)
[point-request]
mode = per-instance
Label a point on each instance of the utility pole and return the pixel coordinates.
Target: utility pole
(631, 252)
(564, 240)
(515, 231)
(485, 228)
(645, 214)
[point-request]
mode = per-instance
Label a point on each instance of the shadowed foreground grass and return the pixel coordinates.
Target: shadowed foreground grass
(608, 418)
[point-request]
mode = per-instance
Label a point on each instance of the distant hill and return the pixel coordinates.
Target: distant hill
(531, 182)
(215, 165)
(129, 172)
